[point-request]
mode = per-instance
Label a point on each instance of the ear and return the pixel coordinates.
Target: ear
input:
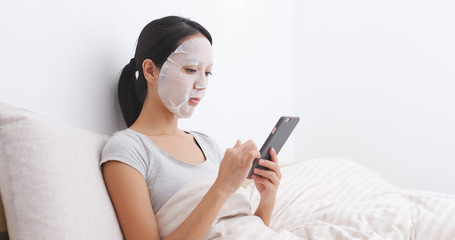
(151, 72)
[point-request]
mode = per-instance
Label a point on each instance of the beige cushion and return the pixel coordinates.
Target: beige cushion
(51, 185)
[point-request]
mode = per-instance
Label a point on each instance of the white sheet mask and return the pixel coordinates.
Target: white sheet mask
(176, 85)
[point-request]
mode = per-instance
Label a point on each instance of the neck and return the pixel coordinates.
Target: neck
(155, 118)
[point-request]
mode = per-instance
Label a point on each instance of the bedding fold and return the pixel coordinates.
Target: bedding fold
(329, 198)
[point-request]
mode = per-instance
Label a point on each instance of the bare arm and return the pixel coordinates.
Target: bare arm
(129, 194)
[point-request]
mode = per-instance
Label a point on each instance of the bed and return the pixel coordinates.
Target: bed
(52, 188)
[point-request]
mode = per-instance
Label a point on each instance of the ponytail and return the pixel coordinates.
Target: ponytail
(156, 42)
(131, 93)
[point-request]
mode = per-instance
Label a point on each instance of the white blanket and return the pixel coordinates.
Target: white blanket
(323, 199)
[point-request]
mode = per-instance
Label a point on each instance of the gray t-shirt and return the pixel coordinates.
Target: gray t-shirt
(163, 173)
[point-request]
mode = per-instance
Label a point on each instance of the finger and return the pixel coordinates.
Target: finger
(253, 155)
(254, 148)
(273, 178)
(273, 155)
(258, 154)
(249, 145)
(262, 180)
(273, 166)
(238, 143)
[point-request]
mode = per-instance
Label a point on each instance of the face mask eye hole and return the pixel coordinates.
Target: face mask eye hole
(190, 70)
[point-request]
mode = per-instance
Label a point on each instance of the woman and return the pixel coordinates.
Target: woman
(145, 164)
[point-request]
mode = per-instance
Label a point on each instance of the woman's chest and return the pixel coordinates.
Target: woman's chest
(183, 148)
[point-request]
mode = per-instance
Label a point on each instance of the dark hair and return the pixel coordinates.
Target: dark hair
(157, 41)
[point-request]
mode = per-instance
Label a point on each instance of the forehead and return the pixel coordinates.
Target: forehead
(194, 50)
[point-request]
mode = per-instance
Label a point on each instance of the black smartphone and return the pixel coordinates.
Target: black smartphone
(280, 133)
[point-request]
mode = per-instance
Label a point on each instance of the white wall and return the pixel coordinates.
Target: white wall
(372, 80)
(62, 60)
(375, 82)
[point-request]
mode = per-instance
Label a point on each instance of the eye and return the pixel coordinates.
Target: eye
(190, 70)
(208, 73)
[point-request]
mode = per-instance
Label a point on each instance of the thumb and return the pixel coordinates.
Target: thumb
(238, 143)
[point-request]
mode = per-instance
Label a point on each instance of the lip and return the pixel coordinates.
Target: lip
(194, 101)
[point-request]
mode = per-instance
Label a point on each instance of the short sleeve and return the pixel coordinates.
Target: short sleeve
(125, 148)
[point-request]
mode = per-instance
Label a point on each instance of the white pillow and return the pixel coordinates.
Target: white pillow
(50, 182)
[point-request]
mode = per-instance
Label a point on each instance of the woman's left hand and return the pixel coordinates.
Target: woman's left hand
(267, 181)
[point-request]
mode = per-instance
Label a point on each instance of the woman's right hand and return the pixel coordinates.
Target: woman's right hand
(236, 164)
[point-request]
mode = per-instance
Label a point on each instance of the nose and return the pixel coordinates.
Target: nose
(201, 82)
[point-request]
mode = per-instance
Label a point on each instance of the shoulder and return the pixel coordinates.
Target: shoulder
(122, 141)
(126, 146)
(123, 137)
